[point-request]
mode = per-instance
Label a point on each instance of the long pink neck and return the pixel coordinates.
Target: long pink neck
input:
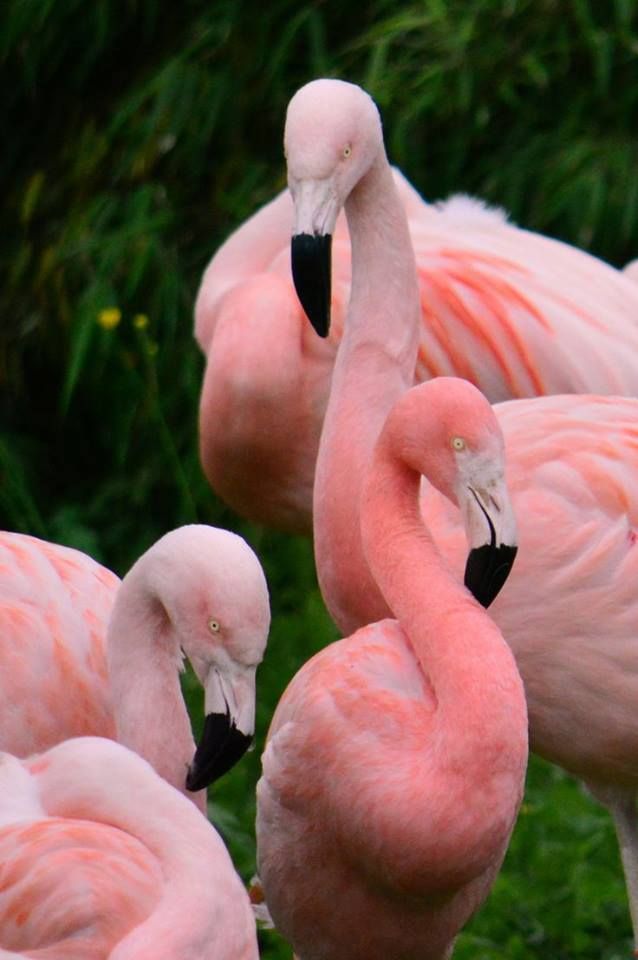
(480, 700)
(374, 366)
(144, 660)
(249, 250)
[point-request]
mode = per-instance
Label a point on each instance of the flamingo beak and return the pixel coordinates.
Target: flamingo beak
(311, 272)
(228, 728)
(316, 210)
(492, 551)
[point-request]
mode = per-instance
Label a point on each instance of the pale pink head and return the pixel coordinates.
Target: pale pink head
(210, 598)
(332, 138)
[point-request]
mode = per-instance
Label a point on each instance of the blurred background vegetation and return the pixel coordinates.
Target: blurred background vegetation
(138, 134)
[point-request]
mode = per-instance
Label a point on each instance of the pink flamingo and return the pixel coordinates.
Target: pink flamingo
(396, 758)
(569, 612)
(517, 313)
(83, 654)
(100, 858)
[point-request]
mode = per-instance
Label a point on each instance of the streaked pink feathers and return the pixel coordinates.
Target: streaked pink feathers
(100, 858)
(515, 312)
(55, 603)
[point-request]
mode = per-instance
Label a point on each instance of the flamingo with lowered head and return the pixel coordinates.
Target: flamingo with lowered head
(396, 758)
(570, 610)
(517, 313)
(83, 654)
(101, 858)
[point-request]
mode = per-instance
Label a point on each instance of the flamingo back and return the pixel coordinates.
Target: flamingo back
(54, 607)
(517, 313)
(94, 864)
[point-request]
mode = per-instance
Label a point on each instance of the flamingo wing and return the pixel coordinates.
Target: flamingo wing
(517, 313)
(54, 607)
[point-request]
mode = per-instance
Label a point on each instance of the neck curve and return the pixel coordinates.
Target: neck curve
(203, 902)
(144, 661)
(204, 911)
(481, 719)
(374, 366)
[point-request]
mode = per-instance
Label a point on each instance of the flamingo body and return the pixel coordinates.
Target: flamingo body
(517, 313)
(100, 858)
(395, 760)
(55, 603)
(569, 611)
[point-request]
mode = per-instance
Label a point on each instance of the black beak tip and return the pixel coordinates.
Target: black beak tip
(487, 569)
(311, 273)
(219, 749)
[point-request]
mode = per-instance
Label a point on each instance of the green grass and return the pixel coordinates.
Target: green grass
(141, 133)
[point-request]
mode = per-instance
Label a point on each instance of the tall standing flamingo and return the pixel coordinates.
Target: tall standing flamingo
(100, 858)
(83, 654)
(517, 313)
(570, 610)
(396, 758)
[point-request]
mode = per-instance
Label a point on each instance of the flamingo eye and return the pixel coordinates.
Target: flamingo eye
(214, 625)
(347, 150)
(458, 443)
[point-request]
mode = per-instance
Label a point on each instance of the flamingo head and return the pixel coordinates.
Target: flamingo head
(332, 137)
(216, 601)
(446, 430)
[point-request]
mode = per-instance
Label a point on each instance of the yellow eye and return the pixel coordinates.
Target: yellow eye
(458, 443)
(347, 150)
(213, 626)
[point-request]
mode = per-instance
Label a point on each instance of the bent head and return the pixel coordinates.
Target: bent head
(213, 591)
(332, 137)
(446, 430)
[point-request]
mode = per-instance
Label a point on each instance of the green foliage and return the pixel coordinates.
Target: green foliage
(141, 135)
(138, 134)
(526, 102)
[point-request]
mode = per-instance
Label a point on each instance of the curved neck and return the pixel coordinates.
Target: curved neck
(204, 907)
(144, 660)
(480, 704)
(374, 366)
(250, 249)
(202, 900)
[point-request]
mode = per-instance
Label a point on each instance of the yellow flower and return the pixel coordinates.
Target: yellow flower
(140, 321)
(109, 318)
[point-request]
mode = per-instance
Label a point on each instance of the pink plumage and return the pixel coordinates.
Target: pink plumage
(569, 609)
(55, 604)
(517, 313)
(83, 654)
(396, 757)
(100, 858)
